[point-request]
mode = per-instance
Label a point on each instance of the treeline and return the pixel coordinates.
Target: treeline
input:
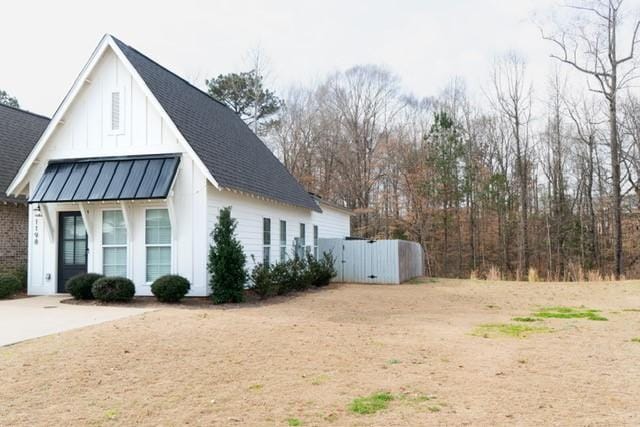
(534, 174)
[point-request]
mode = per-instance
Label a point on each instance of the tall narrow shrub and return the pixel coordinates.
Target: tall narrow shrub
(226, 261)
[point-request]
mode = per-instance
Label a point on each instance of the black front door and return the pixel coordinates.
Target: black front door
(72, 247)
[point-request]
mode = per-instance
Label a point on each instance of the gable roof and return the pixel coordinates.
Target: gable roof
(236, 158)
(19, 132)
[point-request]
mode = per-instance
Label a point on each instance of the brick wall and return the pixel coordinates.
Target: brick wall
(13, 235)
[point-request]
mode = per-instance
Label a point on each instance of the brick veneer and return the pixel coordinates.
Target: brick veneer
(13, 235)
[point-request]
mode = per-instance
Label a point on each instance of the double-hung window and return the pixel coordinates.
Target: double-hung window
(315, 241)
(114, 244)
(158, 243)
(303, 232)
(266, 241)
(283, 241)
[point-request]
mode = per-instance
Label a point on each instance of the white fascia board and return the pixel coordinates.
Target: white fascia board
(165, 116)
(58, 115)
(105, 42)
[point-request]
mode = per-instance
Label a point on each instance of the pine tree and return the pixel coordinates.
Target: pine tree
(226, 261)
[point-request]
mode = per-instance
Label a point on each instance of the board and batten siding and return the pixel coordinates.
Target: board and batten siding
(85, 133)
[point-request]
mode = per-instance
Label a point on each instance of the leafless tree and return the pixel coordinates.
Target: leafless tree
(591, 47)
(512, 100)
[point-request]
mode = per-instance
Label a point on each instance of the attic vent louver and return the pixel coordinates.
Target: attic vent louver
(115, 111)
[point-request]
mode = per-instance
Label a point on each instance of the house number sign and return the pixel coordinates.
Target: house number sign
(36, 228)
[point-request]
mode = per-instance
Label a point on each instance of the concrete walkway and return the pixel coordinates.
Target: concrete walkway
(26, 318)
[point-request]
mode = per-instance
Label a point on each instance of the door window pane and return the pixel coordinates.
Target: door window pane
(67, 250)
(68, 225)
(81, 232)
(80, 257)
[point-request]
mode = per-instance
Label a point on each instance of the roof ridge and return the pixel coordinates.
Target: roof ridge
(202, 92)
(20, 110)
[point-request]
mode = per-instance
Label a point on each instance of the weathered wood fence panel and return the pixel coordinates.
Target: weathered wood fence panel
(374, 261)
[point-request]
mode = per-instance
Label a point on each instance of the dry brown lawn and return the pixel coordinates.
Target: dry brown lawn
(306, 357)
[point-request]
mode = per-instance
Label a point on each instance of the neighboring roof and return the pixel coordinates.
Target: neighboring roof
(233, 154)
(115, 178)
(19, 132)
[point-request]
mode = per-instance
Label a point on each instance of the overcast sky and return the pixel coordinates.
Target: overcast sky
(45, 44)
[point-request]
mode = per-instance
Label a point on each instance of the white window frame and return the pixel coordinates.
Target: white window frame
(121, 111)
(126, 245)
(266, 246)
(303, 235)
(157, 245)
(283, 242)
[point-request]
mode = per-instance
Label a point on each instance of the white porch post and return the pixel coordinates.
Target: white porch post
(174, 233)
(88, 225)
(127, 213)
(46, 214)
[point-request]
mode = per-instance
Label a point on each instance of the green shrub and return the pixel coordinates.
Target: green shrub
(109, 289)
(262, 281)
(226, 261)
(21, 274)
(296, 274)
(9, 285)
(321, 270)
(283, 276)
(170, 288)
(80, 286)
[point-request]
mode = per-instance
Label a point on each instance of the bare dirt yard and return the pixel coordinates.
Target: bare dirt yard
(424, 348)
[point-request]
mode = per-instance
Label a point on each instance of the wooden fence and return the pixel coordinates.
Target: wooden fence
(374, 261)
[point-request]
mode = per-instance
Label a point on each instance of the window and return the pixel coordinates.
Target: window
(115, 111)
(315, 241)
(114, 244)
(303, 242)
(266, 241)
(283, 241)
(158, 242)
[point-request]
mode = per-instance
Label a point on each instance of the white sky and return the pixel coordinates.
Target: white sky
(44, 44)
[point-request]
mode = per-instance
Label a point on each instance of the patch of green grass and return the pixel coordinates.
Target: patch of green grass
(320, 379)
(635, 340)
(569, 313)
(525, 319)
(111, 414)
(492, 330)
(393, 361)
(256, 387)
(371, 404)
(434, 409)
(294, 422)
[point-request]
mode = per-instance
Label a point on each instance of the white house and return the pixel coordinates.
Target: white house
(130, 174)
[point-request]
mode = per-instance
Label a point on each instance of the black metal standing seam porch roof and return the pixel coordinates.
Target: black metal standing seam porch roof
(107, 178)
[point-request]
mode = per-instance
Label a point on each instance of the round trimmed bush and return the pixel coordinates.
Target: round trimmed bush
(80, 286)
(112, 289)
(170, 288)
(9, 285)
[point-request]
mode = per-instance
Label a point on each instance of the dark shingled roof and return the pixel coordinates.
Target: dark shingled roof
(19, 132)
(235, 156)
